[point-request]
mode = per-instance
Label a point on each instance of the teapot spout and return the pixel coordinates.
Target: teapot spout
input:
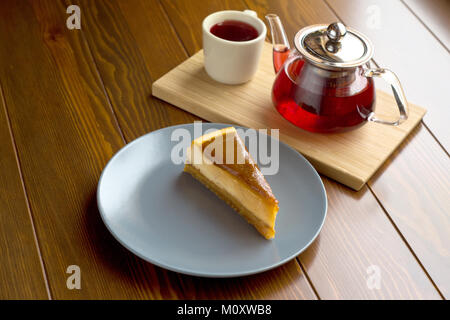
(280, 42)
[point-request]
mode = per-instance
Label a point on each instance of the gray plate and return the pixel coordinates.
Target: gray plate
(166, 217)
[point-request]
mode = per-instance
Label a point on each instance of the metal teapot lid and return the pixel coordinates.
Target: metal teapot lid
(333, 46)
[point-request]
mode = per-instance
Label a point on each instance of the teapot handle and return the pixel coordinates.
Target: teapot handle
(397, 90)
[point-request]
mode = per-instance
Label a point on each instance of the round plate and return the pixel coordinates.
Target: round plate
(168, 218)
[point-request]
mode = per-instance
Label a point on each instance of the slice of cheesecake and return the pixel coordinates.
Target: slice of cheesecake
(222, 163)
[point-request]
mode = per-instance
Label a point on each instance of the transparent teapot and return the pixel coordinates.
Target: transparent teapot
(325, 84)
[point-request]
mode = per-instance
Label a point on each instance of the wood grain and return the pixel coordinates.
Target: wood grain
(404, 176)
(127, 72)
(338, 264)
(65, 131)
(413, 186)
(189, 29)
(65, 134)
(356, 244)
(21, 273)
(284, 283)
(403, 44)
(435, 15)
(350, 158)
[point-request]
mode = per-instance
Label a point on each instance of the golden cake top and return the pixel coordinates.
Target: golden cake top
(225, 149)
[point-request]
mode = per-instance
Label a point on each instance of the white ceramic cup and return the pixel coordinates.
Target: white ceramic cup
(232, 62)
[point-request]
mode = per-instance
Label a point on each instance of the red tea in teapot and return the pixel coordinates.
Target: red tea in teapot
(320, 100)
(234, 30)
(325, 83)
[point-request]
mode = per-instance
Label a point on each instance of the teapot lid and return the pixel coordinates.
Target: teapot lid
(333, 46)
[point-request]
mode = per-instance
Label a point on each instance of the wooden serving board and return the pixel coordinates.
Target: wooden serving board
(350, 158)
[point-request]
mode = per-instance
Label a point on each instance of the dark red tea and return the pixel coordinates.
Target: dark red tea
(234, 30)
(319, 102)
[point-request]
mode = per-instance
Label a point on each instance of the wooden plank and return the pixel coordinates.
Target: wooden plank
(284, 283)
(414, 188)
(435, 15)
(420, 170)
(127, 62)
(125, 70)
(350, 158)
(65, 134)
(357, 232)
(189, 29)
(21, 272)
(403, 45)
(358, 244)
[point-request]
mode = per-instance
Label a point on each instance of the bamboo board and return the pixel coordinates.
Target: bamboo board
(350, 158)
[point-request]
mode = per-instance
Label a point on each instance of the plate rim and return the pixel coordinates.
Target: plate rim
(210, 274)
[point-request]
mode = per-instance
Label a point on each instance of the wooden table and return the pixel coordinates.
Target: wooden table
(70, 99)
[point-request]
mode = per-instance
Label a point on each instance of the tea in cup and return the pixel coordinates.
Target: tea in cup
(232, 45)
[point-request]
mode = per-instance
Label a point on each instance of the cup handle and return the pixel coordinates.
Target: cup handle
(397, 90)
(251, 13)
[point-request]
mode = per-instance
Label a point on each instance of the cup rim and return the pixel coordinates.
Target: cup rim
(239, 43)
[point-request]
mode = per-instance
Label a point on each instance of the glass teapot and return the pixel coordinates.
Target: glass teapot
(326, 84)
